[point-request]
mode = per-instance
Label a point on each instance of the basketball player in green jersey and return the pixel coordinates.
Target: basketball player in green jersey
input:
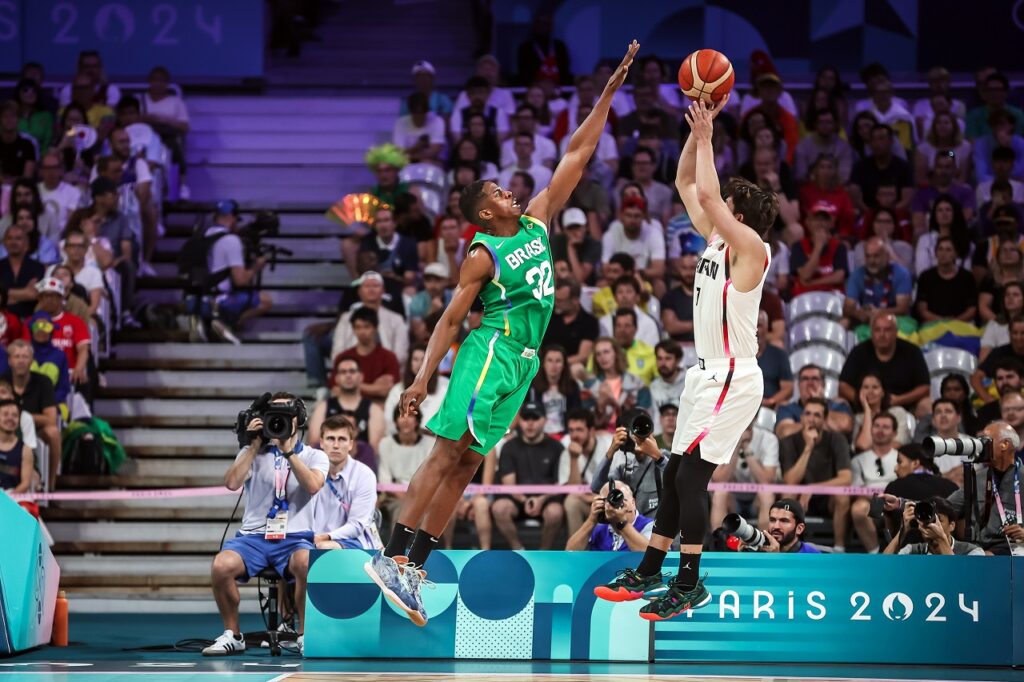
(509, 267)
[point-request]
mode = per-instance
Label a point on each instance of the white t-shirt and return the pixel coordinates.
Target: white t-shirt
(996, 334)
(227, 252)
(785, 101)
(399, 462)
(259, 490)
(171, 107)
(650, 245)
(501, 99)
(90, 277)
(864, 467)
(541, 176)
(606, 147)
(543, 150)
(602, 441)
(60, 201)
(406, 134)
(764, 447)
(113, 95)
(647, 330)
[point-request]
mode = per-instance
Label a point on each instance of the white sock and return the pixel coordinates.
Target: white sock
(873, 551)
(839, 549)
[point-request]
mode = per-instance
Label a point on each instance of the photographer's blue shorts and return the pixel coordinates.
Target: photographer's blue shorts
(258, 553)
(231, 306)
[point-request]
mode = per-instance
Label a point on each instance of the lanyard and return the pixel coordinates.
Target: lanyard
(343, 499)
(280, 486)
(1016, 493)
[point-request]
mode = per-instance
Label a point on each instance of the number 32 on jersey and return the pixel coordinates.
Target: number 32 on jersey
(542, 276)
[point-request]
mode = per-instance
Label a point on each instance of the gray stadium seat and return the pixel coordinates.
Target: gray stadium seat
(942, 361)
(816, 304)
(765, 419)
(828, 358)
(818, 331)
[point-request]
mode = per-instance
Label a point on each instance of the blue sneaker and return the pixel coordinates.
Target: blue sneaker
(389, 574)
(415, 579)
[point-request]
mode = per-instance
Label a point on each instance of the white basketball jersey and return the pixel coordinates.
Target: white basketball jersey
(724, 320)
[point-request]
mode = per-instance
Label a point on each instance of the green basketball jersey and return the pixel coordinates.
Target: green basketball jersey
(519, 300)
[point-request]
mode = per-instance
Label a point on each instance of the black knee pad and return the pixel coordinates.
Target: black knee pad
(691, 481)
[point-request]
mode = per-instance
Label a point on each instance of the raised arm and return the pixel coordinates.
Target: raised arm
(686, 185)
(581, 147)
(476, 269)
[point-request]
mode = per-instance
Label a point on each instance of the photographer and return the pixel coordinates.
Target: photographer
(282, 478)
(238, 298)
(614, 525)
(637, 462)
(996, 514)
(786, 529)
(935, 519)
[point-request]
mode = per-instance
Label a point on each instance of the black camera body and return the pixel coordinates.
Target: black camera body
(974, 450)
(924, 513)
(616, 499)
(277, 420)
(638, 425)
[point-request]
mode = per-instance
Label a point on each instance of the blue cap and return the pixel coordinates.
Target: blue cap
(227, 207)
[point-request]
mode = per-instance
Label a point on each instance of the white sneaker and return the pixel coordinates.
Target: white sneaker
(224, 332)
(225, 645)
(299, 640)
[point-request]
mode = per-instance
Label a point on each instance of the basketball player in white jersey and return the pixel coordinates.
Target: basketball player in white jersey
(723, 390)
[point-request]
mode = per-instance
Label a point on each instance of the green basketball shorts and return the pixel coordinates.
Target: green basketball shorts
(490, 379)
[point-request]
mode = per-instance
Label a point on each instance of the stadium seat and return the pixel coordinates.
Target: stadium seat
(818, 331)
(942, 361)
(765, 419)
(828, 358)
(816, 304)
(424, 174)
(689, 356)
(911, 424)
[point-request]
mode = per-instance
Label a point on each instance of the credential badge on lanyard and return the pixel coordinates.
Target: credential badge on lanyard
(277, 517)
(1006, 518)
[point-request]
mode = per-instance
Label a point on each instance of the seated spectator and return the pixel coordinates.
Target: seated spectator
(34, 119)
(772, 306)
(824, 185)
(70, 332)
(945, 220)
(604, 165)
(435, 296)
(823, 141)
(817, 455)
(543, 152)
(879, 167)
(90, 64)
(17, 153)
(612, 389)
(874, 400)
(947, 291)
(811, 379)
(59, 198)
(225, 253)
(467, 152)
(19, 272)
(878, 287)
(942, 183)
(1011, 410)
(40, 248)
(547, 103)
(937, 535)
(884, 354)
(343, 515)
(35, 393)
(26, 194)
(529, 458)
(886, 197)
(767, 170)
(889, 110)
(755, 132)
(994, 93)
(1008, 377)
(135, 184)
(882, 226)
(1003, 268)
(769, 98)
(677, 304)
(421, 132)
(613, 529)
(483, 136)
(167, 113)
(632, 235)
(584, 256)
(346, 398)
(873, 468)
(627, 296)
(925, 110)
(1005, 136)
(665, 152)
(554, 389)
(392, 331)
(17, 463)
(379, 366)
(667, 387)
(987, 369)
(819, 261)
(944, 138)
(997, 330)
(945, 423)
(475, 100)
(774, 364)
(523, 162)
(640, 356)
(489, 69)
(583, 456)
(436, 387)
(1000, 193)
(400, 455)
(423, 77)
(646, 112)
(764, 74)
(87, 221)
(829, 81)
(26, 425)
(49, 360)
(75, 295)
(397, 254)
(640, 469)
(385, 161)
(80, 273)
(755, 460)
(657, 194)
(572, 327)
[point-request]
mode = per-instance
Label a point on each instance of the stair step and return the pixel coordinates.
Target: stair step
(138, 565)
(137, 482)
(108, 513)
(304, 248)
(286, 107)
(294, 301)
(185, 413)
(190, 351)
(353, 119)
(250, 381)
(205, 468)
(285, 274)
(290, 141)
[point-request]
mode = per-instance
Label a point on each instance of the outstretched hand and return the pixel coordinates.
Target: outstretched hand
(619, 77)
(700, 116)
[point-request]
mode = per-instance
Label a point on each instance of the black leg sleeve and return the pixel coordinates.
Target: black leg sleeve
(692, 478)
(666, 521)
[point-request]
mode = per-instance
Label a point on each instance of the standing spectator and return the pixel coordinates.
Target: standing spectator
(379, 366)
(393, 332)
(145, 143)
(544, 150)
(554, 389)
(947, 291)
(774, 364)
(59, 198)
(400, 455)
(811, 379)
(542, 56)
(823, 141)
(824, 185)
(524, 162)
(35, 393)
(819, 261)
(882, 224)
(1004, 135)
(612, 389)
(624, 529)
(475, 100)
(576, 247)
(1011, 351)
(677, 304)
(884, 354)
(627, 296)
(346, 398)
(632, 235)
(572, 327)
(994, 93)
(946, 220)
(33, 120)
(136, 200)
(755, 460)
(530, 458)
(881, 165)
(820, 456)
(421, 132)
(165, 111)
(583, 455)
(873, 468)
(944, 137)
(345, 507)
(667, 387)
(874, 400)
(16, 459)
(423, 79)
(17, 153)
(115, 230)
(1009, 378)
(877, 287)
(19, 272)
(942, 183)
(997, 330)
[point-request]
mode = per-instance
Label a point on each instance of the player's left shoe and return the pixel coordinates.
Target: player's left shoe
(627, 586)
(676, 600)
(415, 580)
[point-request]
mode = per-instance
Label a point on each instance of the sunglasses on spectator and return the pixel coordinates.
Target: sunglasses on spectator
(881, 469)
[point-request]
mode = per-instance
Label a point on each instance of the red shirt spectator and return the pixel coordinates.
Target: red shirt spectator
(69, 331)
(819, 261)
(12, 328)
(377, 363)
(846, 217)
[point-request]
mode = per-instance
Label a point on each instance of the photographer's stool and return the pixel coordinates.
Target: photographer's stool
(271, 635)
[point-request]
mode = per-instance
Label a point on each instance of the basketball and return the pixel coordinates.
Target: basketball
(707, 75)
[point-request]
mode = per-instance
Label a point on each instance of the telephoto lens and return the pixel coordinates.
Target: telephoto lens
(734, 524)
(971, 449)
(638, 425)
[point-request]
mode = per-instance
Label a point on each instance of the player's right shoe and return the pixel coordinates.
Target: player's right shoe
(415, 580)
(628, 585)
(225, 645)
(676, 600)
(387, 572)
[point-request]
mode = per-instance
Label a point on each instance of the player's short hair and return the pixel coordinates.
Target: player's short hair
(757, 206)
(339, 422)
(469, 200)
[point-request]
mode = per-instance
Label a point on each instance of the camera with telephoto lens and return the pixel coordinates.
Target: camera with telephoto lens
(754, 539)
(639, 426)
(616, 499)
(974, 450)
(924, 512)
(277, 420)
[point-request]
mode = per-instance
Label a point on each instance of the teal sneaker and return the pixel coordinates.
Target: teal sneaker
(627, 586)
(415, 579)
(676, 600)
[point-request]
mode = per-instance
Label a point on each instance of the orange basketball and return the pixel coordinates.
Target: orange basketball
(707, 75)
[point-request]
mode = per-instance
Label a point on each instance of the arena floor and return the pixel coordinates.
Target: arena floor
(104, 647)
